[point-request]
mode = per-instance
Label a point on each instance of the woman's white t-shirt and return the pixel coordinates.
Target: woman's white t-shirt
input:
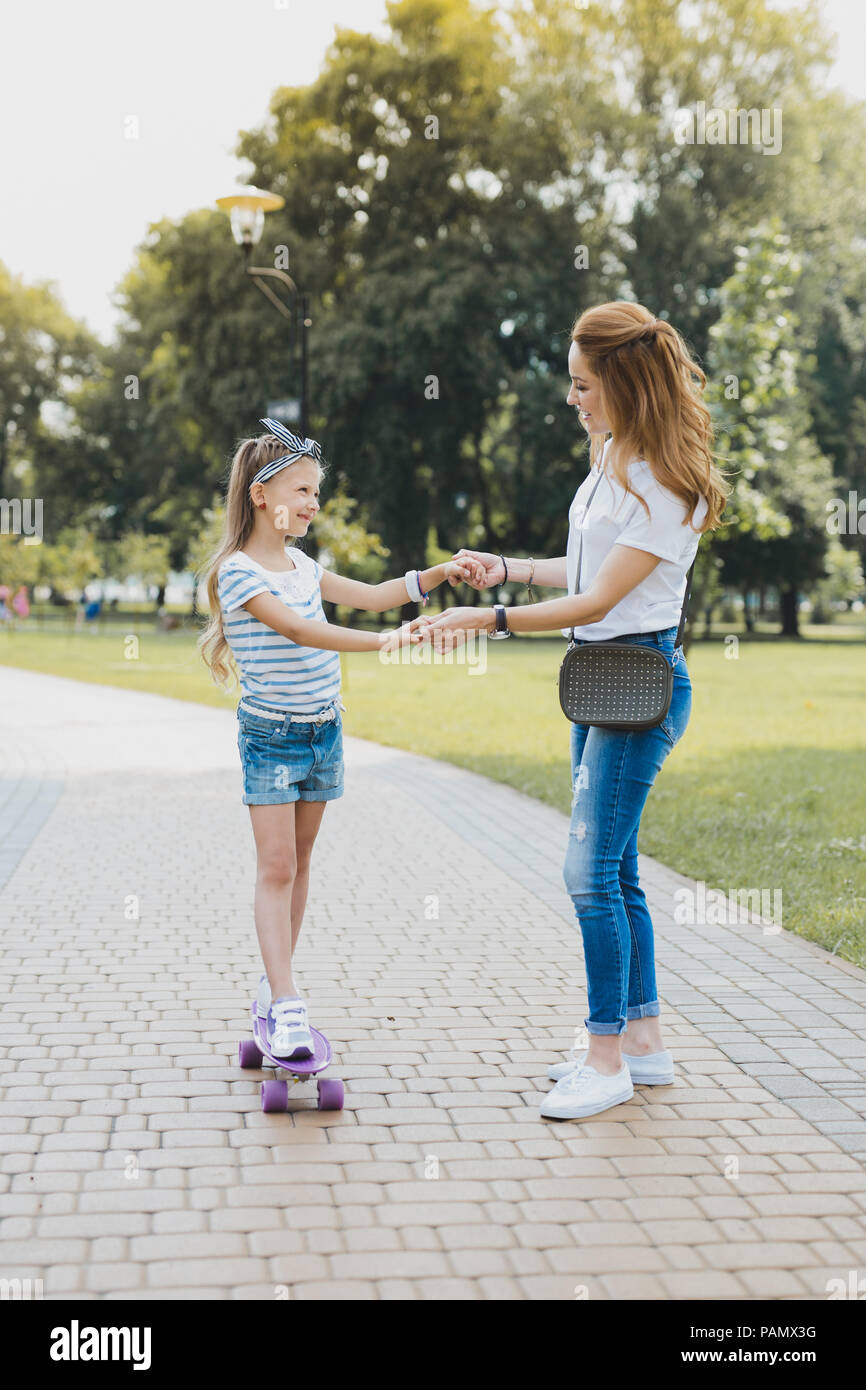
(617, 518)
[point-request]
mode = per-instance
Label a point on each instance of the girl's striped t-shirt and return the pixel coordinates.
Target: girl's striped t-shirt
(303, 680)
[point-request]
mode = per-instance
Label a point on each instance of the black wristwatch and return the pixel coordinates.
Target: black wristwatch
(501, 628)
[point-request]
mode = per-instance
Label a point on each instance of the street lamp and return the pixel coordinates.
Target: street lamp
(246, 208)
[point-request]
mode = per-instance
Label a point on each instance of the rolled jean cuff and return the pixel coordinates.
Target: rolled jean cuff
(644, 1010)
(605, 1029)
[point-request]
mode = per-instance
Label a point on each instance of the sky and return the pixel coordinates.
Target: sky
(78, 195)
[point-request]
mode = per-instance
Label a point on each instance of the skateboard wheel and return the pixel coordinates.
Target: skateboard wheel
(330, 1094)
(249, 1054)
(275, 1096)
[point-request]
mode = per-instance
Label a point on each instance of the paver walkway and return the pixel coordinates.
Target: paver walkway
(441, 956)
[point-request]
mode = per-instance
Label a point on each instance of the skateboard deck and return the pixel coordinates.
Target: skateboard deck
(301, 1066)
(275, 1094)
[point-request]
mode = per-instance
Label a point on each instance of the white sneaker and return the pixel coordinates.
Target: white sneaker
(586, 1092)
(263, 997)
(288, 1029)
(652, 1069)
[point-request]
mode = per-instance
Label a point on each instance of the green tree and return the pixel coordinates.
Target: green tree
(844, 582)
(44, 353)
(456, 191)
(19, 563)
(71, 562)
(777, 510)
(147, 559)
(424, 201)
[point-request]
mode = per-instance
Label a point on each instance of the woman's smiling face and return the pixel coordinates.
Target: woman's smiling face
(585, 393)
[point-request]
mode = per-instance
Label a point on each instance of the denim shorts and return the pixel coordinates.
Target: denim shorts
(284, 760)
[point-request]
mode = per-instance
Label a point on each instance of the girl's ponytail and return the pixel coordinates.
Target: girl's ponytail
(250, 456)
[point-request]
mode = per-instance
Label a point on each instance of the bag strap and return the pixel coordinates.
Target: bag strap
(580, 546)
(687, 595)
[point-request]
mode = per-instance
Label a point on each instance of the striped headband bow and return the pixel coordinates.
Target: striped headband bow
(298, 449)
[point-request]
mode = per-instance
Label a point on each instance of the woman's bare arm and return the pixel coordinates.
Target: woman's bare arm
(622, 569)
(547, 573)
(392, 593)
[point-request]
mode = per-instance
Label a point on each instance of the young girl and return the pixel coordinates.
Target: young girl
(266, 616)
(639, 398)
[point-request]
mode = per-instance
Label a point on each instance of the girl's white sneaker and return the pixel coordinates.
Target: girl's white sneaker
(653, 1069)
(263, 997)
(288, 1029)
(586, 1092)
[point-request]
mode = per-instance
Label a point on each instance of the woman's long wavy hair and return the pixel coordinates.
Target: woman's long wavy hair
(652, 396)
(250, 456)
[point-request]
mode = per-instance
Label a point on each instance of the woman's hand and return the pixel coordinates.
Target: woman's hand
(489, 569)
(465, 568)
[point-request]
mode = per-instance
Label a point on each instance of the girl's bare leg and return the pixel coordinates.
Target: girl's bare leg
(308, 818)
(276, 871)
(284, 837)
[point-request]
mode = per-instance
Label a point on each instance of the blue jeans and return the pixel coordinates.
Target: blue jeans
(612, 772)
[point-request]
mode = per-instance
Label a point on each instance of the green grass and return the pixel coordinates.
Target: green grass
(767, 789)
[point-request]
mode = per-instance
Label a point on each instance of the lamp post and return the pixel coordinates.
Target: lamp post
(246, 208)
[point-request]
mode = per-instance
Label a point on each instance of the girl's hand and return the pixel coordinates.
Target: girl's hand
(391, 638)
(452, 627)
(465, 568)
(489, 569)
(419, 628)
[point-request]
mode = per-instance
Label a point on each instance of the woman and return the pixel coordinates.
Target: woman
(654, 489)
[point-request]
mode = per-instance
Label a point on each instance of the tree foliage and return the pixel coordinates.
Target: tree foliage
(456, 191)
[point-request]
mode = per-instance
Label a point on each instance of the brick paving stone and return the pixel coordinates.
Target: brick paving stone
(633, 1286)
(600, 1259)
(558, 1288)
(340, 1290)
(702, 1284)
(135, 1160)
(772, 1283)
(759, 1254)
(390, 1264)
(497, 1288)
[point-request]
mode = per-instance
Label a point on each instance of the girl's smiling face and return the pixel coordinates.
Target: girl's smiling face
(585, 393)
(292, 497)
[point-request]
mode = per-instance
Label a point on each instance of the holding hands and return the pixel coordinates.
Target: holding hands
(486, 569)
(481, 569)
(477, 568)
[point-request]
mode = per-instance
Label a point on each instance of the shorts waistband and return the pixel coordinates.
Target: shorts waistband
(253, 706)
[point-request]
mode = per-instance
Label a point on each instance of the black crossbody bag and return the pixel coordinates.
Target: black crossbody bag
(615, 684)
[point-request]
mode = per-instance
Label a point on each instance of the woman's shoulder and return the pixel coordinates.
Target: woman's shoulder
(661, 499)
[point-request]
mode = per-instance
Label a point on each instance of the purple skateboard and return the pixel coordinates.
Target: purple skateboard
(275, 1094)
